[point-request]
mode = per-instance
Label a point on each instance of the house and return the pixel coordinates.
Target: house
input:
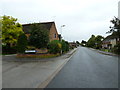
(72, 44)
(110, 41)
(53, 34)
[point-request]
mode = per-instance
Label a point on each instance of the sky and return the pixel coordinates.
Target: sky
(81, 18)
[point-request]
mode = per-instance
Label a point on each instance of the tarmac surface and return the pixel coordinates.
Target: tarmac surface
(88, 69)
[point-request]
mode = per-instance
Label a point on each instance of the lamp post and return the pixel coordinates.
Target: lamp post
(61, 36)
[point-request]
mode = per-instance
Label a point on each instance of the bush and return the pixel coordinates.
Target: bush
(31, 48)
(65, 46)
(9, 50)
(22, 43)
(116, 49)
(54, 47)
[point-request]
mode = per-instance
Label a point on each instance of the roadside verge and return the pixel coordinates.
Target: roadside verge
(105, 53)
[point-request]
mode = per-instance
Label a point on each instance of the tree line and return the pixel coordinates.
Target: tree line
(96, 41)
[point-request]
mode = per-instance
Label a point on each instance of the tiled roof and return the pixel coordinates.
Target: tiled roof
(113, 36)
(27, 27)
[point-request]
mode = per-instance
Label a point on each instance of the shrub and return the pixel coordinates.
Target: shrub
(9, 50)
(22, 43)
(65, 46)
(31, 48)
(54, 46)
(116, 49)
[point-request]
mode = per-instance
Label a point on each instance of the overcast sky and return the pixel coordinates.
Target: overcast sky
(81, 18)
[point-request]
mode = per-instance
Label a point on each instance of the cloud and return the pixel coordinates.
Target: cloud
(81, 17)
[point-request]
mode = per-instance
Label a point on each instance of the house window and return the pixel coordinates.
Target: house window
(55, 35)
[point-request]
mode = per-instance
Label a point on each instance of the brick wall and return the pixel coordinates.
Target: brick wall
(53, 35)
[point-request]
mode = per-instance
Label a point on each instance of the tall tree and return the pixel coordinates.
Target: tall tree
(83, 43)
(11, 30)
(39, 36)
(77, 42)
(116, 26)
(91, 41)
(115, 30)
(98, 41)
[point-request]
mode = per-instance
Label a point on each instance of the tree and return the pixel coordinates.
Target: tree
(77, 42)
(95, 42)
(11, 30)
(91, 41)
(22, 43)
(83, 43)
(98, 41)
(115, 30)
(39, 36)
(116, 26)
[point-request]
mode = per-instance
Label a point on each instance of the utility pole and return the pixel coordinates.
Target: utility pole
(119, 10)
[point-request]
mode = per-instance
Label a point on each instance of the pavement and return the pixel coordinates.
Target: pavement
(88, 69)
(103, 52)
(31, 73)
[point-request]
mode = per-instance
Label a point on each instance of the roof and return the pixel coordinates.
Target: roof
(27, 27)
(72, 43)
(113, 36)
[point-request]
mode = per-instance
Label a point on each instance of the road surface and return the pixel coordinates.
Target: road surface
(88, 69)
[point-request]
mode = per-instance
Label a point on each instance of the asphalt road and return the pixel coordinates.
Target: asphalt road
(88, 69)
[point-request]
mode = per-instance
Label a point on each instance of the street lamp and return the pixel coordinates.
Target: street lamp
(61, 28)
(61, 36)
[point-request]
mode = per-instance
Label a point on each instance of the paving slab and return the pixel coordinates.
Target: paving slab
(32, 74)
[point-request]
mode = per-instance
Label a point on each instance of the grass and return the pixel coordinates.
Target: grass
(37, 55)
(106, 50)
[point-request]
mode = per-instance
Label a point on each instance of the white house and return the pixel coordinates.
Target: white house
(110, 41)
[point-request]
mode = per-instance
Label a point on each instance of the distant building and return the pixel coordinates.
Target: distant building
(53, 34)
(110, 41)
(72, 44)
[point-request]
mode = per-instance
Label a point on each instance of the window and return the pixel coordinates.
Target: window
(55, 36)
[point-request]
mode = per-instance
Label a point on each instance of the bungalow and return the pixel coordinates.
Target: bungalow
(110, 41)
(53, 34)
